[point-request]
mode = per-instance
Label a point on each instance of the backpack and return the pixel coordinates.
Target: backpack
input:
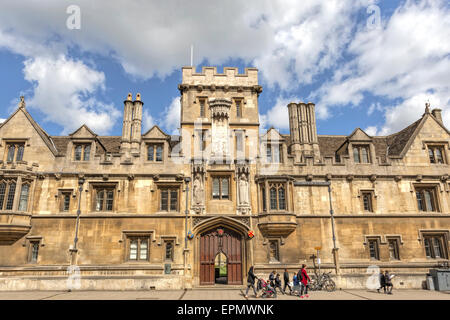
(300, 275)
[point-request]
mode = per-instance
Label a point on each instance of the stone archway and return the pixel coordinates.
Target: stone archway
(216, 241)
(221, 235)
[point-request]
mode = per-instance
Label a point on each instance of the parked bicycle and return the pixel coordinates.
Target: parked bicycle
(322, 282)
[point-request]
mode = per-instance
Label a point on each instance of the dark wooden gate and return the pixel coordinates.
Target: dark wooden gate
(211, 243)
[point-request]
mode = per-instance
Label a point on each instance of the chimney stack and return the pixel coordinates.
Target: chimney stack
(136, 127)
(125, 143)
(303, 131)
(437, 113)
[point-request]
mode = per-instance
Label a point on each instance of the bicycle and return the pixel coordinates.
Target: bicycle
(322, 282)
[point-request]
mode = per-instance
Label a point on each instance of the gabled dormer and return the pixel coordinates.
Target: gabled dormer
(156, 144)
(82, 144)
(273, 147)
(359, 146)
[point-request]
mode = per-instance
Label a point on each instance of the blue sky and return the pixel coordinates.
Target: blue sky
(368, 64)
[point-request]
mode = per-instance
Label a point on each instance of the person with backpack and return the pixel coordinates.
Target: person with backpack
(286, 281)
(304, 278)
(296, 285)
(382, 283)
(251, 282)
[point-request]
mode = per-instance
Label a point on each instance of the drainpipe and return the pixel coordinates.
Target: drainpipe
(335, 249)
(74, 250)
(186, 180)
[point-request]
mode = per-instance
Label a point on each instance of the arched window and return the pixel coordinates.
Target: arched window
(2, 194)
(19, 156)
(11, 193)
(281, 199)
(23, 203)
(277, 196)
(11, 151)
(273, 199)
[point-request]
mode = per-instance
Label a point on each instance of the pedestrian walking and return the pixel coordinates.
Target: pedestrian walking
(278, 283)
(382, 283)
(388, 280)
(251, 282)
(286, 281)
(304, 281)
(272, 278)
(296, 285)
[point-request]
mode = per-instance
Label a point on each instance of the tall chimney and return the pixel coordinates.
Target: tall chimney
(437, 113)
(136, 125)
(303, 130)
(125, 143)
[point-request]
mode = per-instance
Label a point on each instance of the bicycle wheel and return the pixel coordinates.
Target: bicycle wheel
(329, 285)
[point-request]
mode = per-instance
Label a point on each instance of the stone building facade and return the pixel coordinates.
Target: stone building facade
(146, 210)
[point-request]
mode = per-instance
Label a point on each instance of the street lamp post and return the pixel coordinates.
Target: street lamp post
(335, 254)
(80, 192)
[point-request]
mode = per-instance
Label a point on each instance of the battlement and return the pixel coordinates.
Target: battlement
(230, 76)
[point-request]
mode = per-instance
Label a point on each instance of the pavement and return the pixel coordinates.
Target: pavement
(219, 294)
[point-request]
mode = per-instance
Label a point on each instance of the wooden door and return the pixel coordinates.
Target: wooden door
(211, 243)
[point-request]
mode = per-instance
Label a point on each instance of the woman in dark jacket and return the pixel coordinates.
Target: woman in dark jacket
(251, 282)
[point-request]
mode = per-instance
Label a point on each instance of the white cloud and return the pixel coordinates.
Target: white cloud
(147, 121)
(407, 59)
(171, 118)
(290, 41)
(63, 91)
(278, 115)
(371, 130)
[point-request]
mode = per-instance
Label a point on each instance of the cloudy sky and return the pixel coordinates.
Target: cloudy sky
(369, 64)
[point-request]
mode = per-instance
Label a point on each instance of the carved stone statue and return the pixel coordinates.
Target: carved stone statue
(243, 190)
(198, 190)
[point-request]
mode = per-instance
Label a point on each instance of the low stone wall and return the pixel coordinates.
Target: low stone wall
(92, 283)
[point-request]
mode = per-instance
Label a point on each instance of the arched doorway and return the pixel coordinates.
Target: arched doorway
(220, 256)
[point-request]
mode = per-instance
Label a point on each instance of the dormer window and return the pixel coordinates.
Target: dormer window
(155, 152)
(361, 154)
(82, 152)
(274, 153)
(436, 154)
(15, 151)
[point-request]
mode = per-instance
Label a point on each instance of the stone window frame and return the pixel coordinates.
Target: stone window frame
(239, 113)
(279, 242)
(437, 143)
(160, 185)
(435, 187)
(359, 146)
(127, 235)
(19, 194)
(29, 241)
(398, 242)
(199, 100)
(96, 185)
(278, 185)
(8, 181)
(444, 233)
(374, 197)
(83, 145)
(378, 240)
(60, 197)
(16, 142)
(155, 146)
(221, 175)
